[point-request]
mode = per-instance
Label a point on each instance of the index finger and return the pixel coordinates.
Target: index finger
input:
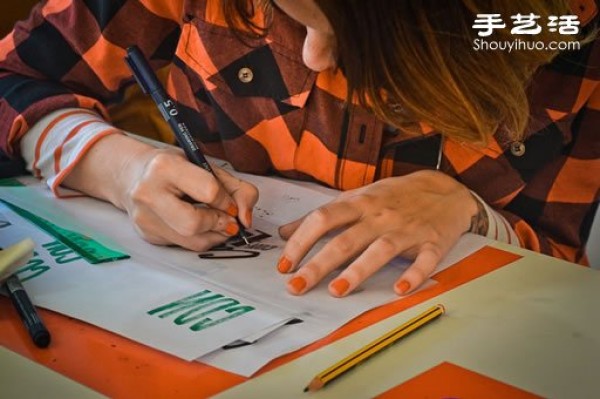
(312, 228)
(243, 193)
(203, 186)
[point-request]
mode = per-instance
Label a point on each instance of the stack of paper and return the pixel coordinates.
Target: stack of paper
(185, 303)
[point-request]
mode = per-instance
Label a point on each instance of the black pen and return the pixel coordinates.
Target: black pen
(35, 327)
(150, 84)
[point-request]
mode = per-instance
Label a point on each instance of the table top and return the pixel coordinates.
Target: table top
(117, 367)
(528, 329)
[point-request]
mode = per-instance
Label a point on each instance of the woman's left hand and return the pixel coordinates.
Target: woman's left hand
(419, 216)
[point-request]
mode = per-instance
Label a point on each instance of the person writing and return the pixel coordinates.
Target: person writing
(428, 136)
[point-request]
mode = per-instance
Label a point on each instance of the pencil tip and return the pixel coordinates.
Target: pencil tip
(314, 385)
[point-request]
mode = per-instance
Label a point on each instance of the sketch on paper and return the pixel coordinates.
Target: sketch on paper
(236, 248)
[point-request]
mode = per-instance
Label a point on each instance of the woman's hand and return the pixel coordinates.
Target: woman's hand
(419, 216)
(149, 183)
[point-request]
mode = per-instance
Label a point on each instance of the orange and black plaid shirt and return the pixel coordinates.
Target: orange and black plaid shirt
(255, 104)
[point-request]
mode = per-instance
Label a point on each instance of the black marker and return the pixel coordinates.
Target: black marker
(150, 84)
(35, 327)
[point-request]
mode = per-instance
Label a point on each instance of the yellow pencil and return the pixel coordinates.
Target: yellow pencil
(374, 347)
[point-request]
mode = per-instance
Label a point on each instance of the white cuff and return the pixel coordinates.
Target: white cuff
(54, 145)
(498, 227)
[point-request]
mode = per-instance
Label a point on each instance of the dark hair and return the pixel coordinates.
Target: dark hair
(413, 61)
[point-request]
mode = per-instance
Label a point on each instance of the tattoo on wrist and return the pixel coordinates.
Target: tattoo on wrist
(479, 222)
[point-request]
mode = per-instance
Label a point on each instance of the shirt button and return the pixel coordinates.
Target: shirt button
(245, 75)
(517, 148)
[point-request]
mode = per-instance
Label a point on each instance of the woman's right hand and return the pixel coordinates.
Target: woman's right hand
(150, 184)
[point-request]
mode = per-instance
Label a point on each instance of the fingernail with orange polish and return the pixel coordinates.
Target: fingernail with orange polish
(232, 210)
(232, 229)
(297, 285)
(340, 286)
(284, 265)
(403, 286)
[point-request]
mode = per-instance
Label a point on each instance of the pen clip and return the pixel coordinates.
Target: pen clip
(143, 73)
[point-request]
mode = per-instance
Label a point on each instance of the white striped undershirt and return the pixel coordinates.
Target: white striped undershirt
(54, 145)
(499, 229)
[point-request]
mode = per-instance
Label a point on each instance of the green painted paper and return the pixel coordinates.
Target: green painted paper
(10, 182)
(88, 248)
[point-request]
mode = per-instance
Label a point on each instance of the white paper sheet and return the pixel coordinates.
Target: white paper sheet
(129, 297)
(250, 280)
(247, 360)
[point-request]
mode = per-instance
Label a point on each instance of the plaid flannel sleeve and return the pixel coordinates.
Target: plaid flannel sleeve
(70, 55)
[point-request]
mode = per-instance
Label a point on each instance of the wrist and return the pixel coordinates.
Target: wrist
(492, 224)
(480, 222)
(108, 168)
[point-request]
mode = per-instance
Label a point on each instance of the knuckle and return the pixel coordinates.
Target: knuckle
(141, 226)
(138, 219)
(386, 246)
(435, 236)
(159, 163)
(139, 194)
(343, 245)
(389, 213)
(148, 237)
(363, 200)
(188, 228)
(356, 273)
(253, 192)
(140, 197)
(386, 215)
(211, 191)
(419, 274)
(320, 216)
(293, 245)
(411, 223)
(312, 271)
(433, 249)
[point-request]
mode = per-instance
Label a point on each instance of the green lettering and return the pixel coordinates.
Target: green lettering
(195, 308)
(184, 303)
(191, 314)
(60, 252)
(35, 266)
(233, 313)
